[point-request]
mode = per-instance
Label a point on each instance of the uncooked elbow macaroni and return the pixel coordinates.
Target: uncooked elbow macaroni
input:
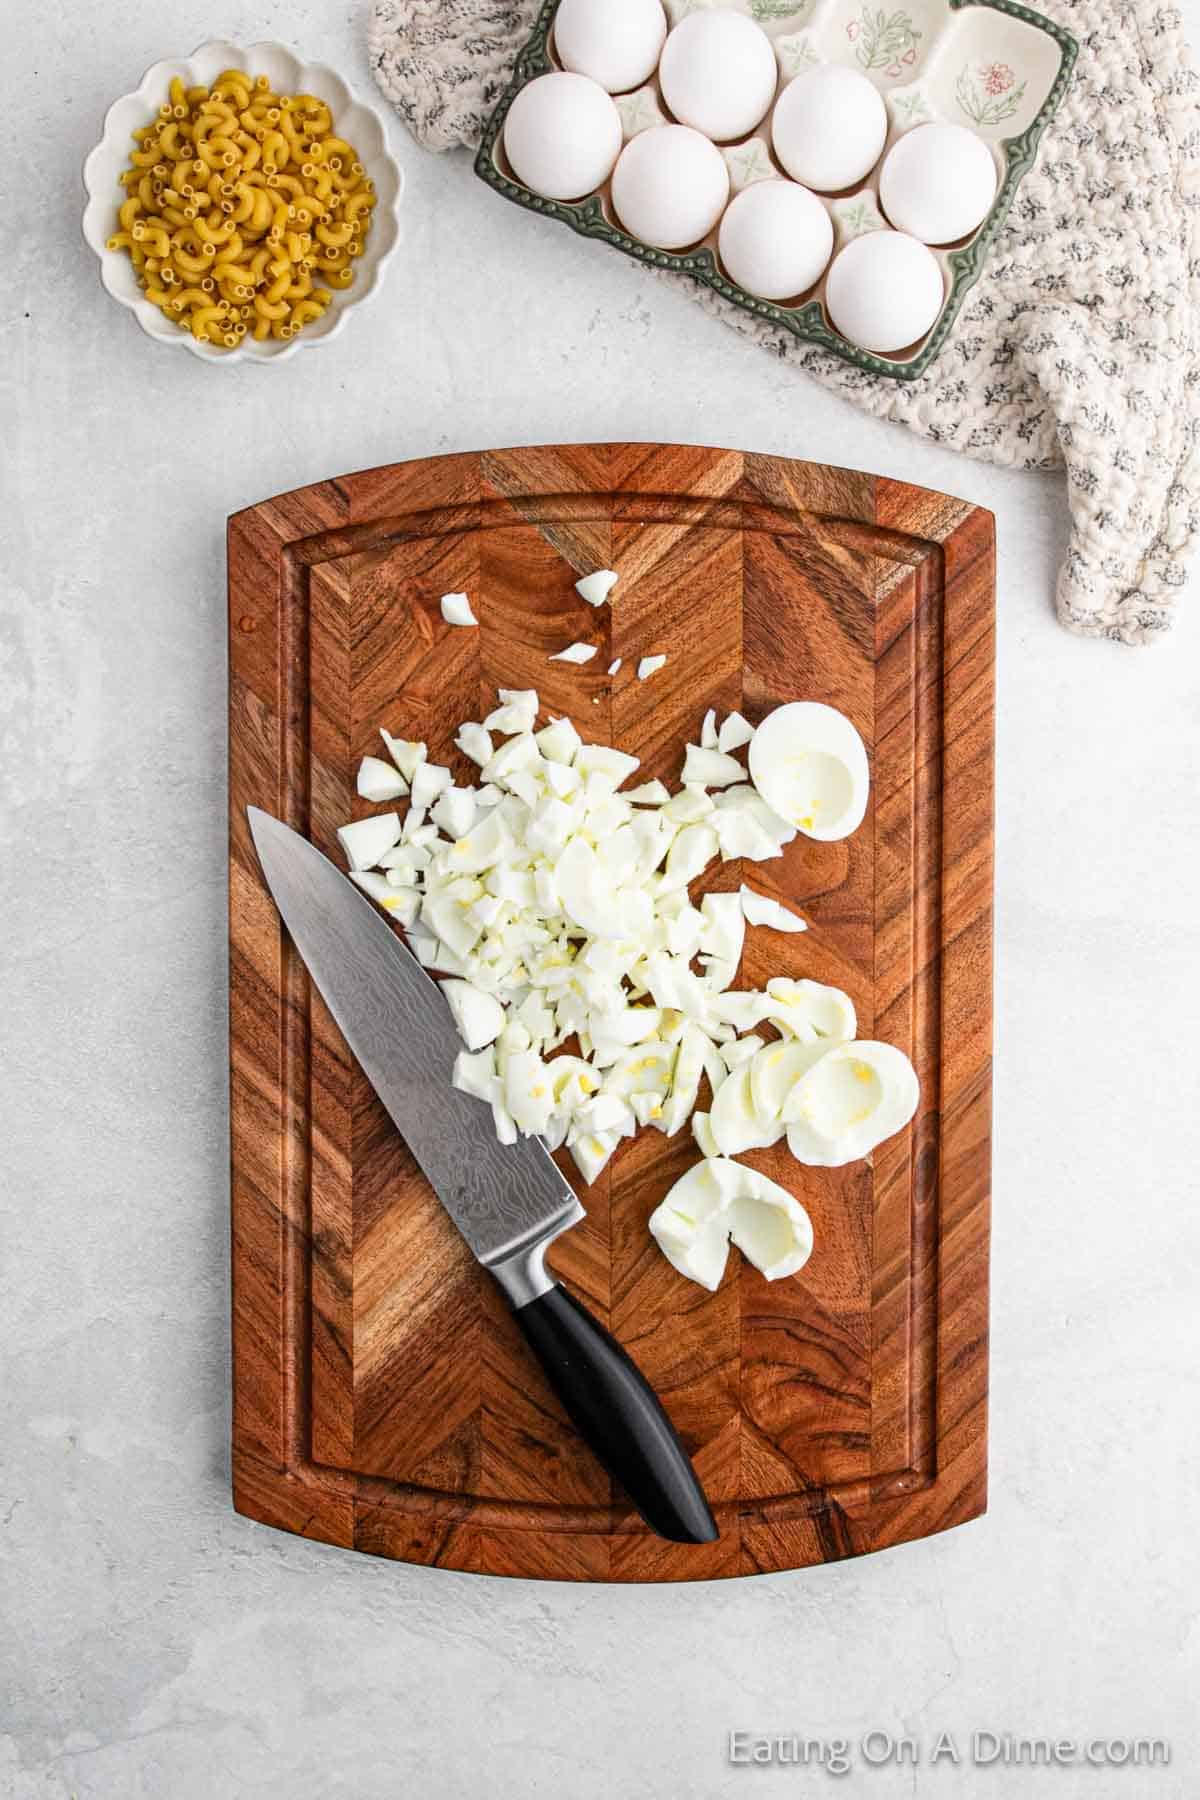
(242, 210)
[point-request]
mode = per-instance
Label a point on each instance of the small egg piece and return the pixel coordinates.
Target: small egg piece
(562, 136)
(776, 239)
(691, 1225)
(615, 42)
(937, 183)
(718, 73)
(809, 763)
(670, 186)
(884, 291)
(829, 127)
(735, 1124)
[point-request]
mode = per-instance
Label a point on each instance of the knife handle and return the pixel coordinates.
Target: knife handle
(618, 1414)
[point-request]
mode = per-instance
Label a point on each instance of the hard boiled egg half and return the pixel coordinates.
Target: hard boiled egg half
(853, 1098)
(719, 1201)
(810, 766)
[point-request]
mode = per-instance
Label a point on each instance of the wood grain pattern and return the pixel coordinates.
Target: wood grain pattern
(382, 1398)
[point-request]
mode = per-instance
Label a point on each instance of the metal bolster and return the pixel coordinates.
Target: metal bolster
(520, 1268)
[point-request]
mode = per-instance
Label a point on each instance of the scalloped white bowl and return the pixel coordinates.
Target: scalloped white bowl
(353, 119)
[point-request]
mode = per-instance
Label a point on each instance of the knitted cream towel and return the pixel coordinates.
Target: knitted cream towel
(1079, 343)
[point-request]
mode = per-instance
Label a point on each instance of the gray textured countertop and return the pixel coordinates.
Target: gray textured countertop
(156, 1645)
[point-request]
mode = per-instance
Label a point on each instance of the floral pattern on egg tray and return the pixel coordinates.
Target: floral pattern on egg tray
(995, 66)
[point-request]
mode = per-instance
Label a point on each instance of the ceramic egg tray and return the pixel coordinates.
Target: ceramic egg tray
(991, 65)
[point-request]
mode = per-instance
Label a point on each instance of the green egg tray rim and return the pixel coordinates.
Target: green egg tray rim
(806, 323)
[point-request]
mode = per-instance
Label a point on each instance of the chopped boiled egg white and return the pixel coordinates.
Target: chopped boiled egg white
(615, 665)
(691, 1225)
(454, 811)
(607, 1112)
(735, 1124)
(740, 1050)
(456, 610)
(402, 863)
(429, 780)
(404, 754)
(706, 1143)
(476, 1074)
(719, 1201)
(368, 839)
(611, 766)
(575, 653)
(400, 903)
(593, 997)
(810, 1010)
(651, 793)
(558, 742)
(743, 1010)
(591, 1150)
(378, 780)
(650, 665)
(710, 768)
(770, 1227)
(596, 588)
(686, 1074)
(722, 938)
(528, 1091)
(775, 1070)
(735, 732)
(690, 854)
(479, 1016)
(517, 711)
(742, 800)
(760, 910)
(476, 743)
(810, 765)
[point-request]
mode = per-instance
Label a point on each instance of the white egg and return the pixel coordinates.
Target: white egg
(884, 291)
(809, 763)
(562, 136)
(776, 239)
(829, 127)
(718, 73)
(937, 183)
(616, 42)
(670, 186)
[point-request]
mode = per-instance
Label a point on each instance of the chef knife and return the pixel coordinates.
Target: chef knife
(508, 1201)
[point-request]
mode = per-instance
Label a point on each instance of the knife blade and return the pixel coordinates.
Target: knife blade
(508, 1201)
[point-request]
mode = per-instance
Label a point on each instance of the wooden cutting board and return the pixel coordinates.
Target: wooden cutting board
(383, 1399)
